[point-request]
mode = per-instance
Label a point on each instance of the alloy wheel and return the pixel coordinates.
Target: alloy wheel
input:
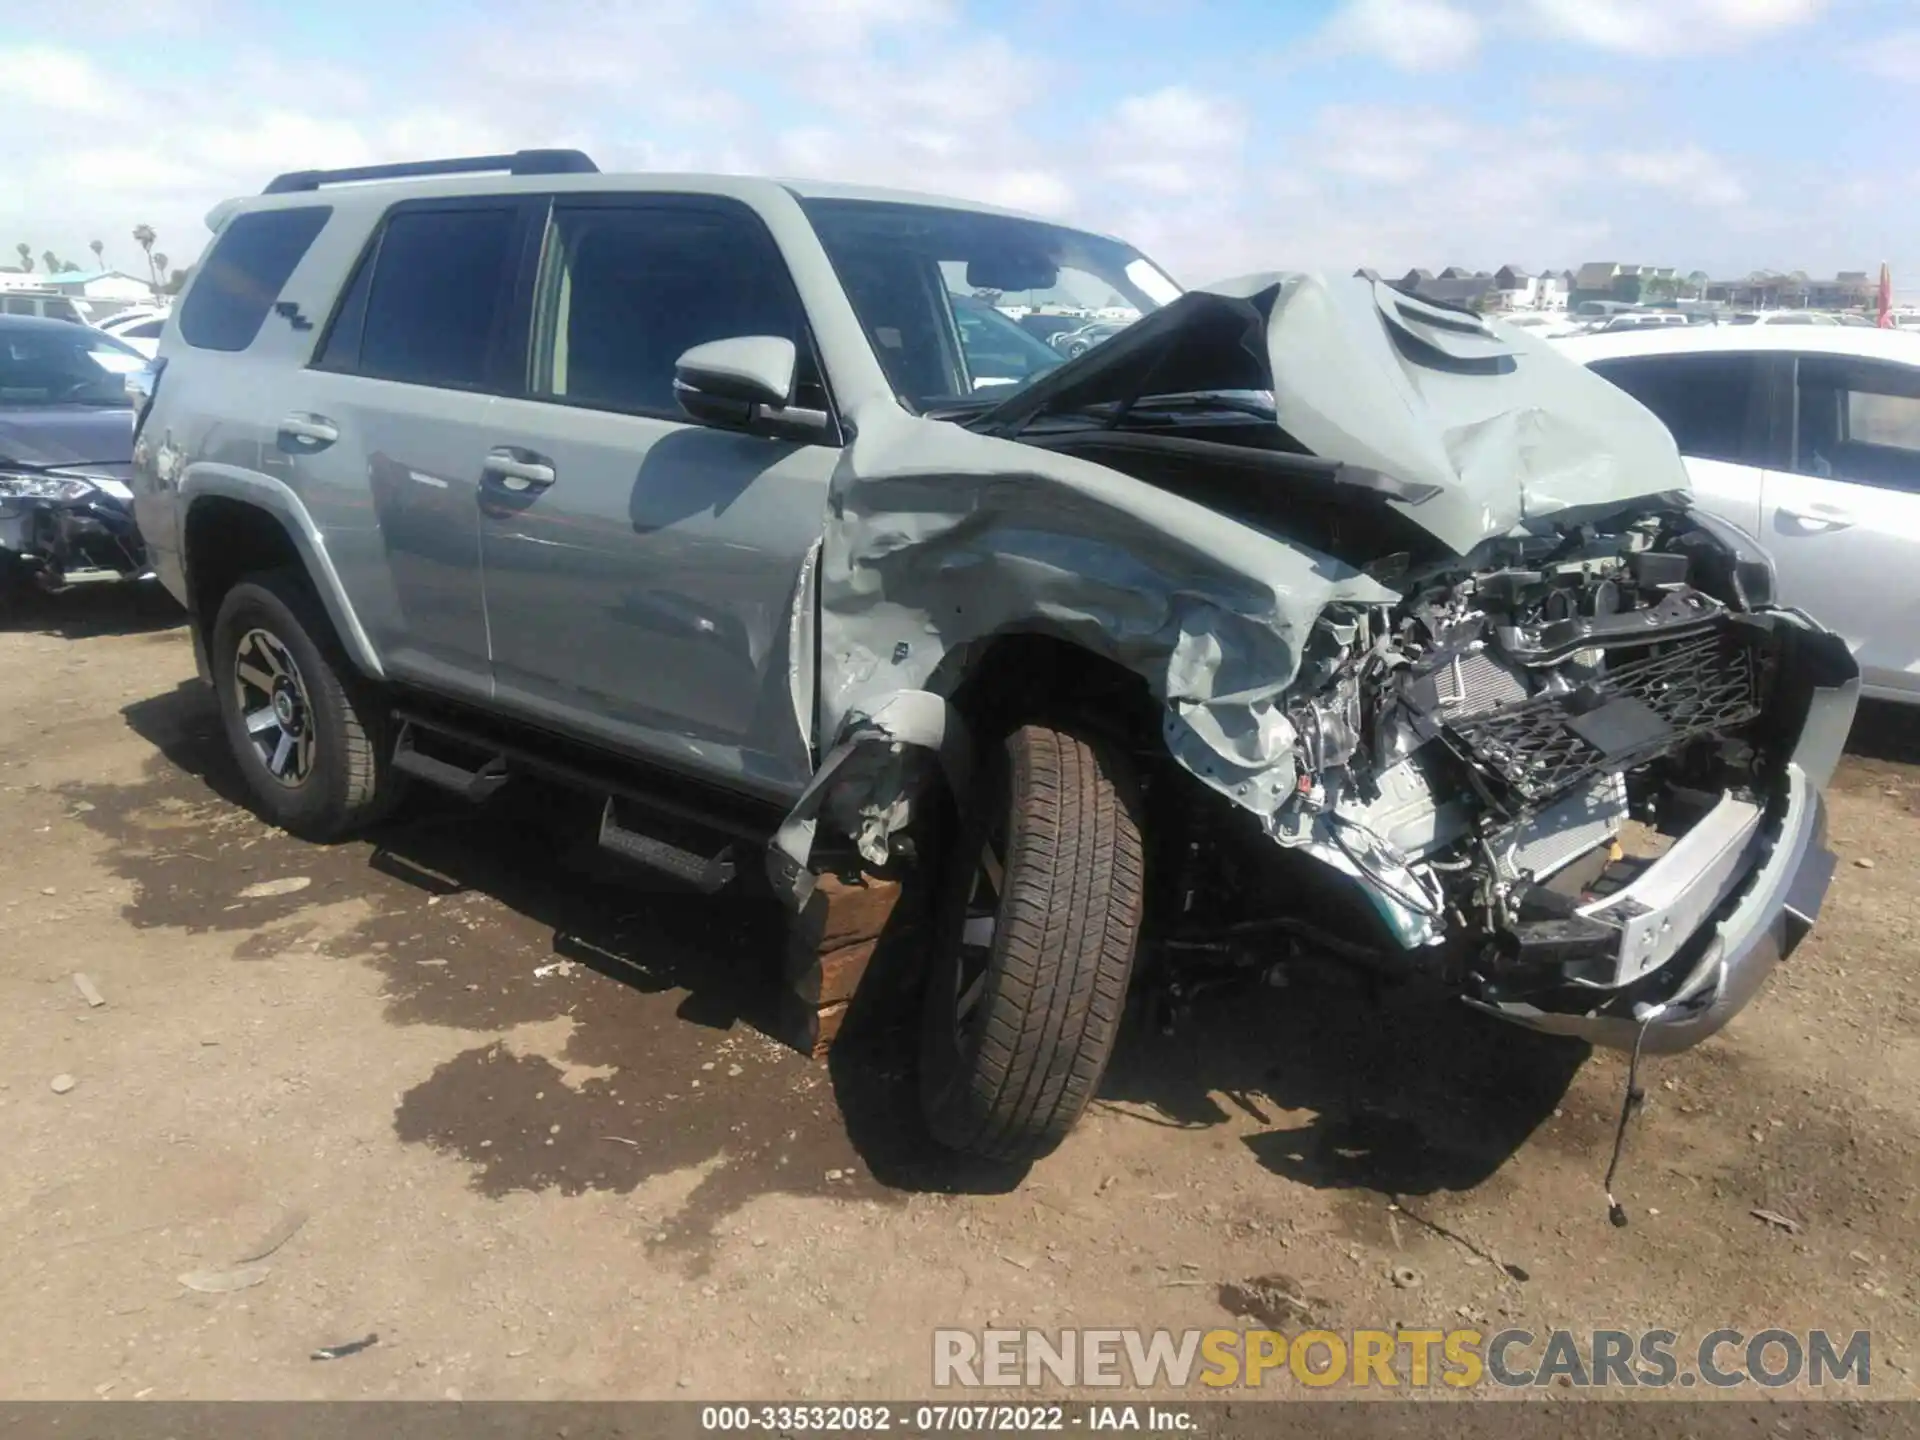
(274, 708)
(981, 918)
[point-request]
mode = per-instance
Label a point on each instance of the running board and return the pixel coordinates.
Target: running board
(474, 785)
(706, 874)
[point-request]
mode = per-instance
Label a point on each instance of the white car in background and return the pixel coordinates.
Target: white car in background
(138, 325)
(1781, 317)
(1809, 439)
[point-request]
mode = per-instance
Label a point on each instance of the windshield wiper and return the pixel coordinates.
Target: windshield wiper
(1236, 402)
(1196, 402)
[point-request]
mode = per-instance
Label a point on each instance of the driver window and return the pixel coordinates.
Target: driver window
(624, 292)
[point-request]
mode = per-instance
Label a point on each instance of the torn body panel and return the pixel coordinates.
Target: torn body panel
(1438, 620)
(938, 544)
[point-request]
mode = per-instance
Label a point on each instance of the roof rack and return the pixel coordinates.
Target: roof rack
(520, 162)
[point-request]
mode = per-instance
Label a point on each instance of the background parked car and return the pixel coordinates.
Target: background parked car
(66, 444)
(1782, 317)
(1809, 439)
(47, 304)
(1071, 343)
(1043, 326)
(138, 326)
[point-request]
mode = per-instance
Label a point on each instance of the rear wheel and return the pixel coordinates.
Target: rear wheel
(1038, 920)
(307, 731)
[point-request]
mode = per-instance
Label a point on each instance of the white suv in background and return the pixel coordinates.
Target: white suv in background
(1809, 439)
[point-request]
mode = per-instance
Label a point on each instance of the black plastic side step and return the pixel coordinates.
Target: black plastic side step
(706, 874)
(474, 785)
(568, 763)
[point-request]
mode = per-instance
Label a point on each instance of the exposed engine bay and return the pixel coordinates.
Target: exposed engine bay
(1473, 758)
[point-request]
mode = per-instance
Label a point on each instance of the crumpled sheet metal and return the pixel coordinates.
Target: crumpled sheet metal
(940, 541)
(1505, 429)
(939, 538)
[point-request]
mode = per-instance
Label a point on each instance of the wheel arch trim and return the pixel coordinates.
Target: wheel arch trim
(277, 499)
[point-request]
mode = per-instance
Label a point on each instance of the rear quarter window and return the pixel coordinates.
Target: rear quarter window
(242, 275)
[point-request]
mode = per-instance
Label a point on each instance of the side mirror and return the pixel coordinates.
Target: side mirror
(744, 383)
(745, 370)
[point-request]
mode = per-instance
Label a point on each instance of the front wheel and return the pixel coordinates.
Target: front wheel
(1038, 920)
(307, 731)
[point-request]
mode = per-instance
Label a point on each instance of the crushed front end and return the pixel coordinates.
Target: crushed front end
(1576, 777)
(61, 528)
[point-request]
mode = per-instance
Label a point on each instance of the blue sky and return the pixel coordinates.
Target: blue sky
(1220, 135)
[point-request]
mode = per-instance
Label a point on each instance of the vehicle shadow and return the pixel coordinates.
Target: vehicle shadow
(531, 849)
(1883, 730)
(89, 611)
(1400, 1090)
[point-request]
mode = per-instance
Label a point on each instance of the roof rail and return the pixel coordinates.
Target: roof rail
(520, 162)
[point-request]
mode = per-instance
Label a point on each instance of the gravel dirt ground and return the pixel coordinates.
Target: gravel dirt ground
(512, 1113)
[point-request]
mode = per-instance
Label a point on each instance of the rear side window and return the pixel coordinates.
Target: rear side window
(242, 275)
(1711, 403)
(1859, 421)
(427, 304)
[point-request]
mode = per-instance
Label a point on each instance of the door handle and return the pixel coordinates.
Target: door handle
(519, 470)
(1818, 517)
(316, 430)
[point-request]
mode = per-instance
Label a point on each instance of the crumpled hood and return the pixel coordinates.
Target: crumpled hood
(1484, 427)
(93, 438)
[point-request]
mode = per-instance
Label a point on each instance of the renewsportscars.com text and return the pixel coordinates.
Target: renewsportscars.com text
(1401, 1359)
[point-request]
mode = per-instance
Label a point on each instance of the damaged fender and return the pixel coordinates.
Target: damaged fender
(863, 785)
(940, 540)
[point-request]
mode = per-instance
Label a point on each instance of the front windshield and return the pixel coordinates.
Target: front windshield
(58, 363)
(963, 307)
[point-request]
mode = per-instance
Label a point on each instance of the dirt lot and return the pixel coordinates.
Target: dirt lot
(542, 1149)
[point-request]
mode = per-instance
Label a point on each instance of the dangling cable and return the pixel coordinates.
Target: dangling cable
(1635, 1097)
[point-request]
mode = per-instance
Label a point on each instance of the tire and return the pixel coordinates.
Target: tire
(1017, 1031)
(275, 659)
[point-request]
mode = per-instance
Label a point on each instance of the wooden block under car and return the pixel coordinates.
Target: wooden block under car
(832, 946)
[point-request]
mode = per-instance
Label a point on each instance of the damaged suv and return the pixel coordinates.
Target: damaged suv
(1298, 618)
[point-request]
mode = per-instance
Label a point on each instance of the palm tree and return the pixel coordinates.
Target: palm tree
(51, 261)
(144, 237)
(26, 256)
(99, 249)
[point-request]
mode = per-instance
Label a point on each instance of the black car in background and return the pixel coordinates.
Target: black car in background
(66, 443)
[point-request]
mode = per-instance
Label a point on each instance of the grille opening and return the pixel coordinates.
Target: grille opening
(1698, 687)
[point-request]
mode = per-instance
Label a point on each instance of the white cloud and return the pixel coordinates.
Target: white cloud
(1383, 145)
(1668, 27)
(1892, 57)
(921, 96)
(1178, 119)
(1408, 34)
(1174, 141)
(1687, 174)
(43, 78)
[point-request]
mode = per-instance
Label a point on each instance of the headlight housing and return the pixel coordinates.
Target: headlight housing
(44, 486)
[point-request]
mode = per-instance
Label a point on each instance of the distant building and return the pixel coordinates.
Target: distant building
(1517, 289)
(1624, 284)
(1476, 292)
(109, 286)
(1769, 290)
